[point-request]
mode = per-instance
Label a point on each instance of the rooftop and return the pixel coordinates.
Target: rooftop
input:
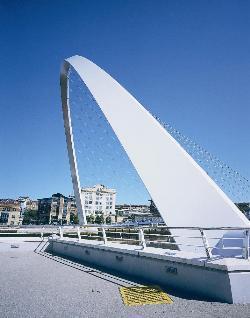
(98, 188)
(9, 201)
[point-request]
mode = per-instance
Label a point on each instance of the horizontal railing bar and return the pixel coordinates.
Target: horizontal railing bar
(118, 238)
(165, 235)
(159, 241)
(138, 227)
(198, 237)
(171, 243)
(165, 227)
(229, 248)
(127, 227)
(126, 233)
(232, 238)
(91, 235)
(203, 228)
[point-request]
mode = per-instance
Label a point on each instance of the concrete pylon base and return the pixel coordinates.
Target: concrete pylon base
(219, 279)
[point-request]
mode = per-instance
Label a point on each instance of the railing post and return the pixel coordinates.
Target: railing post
(60, 232)
(142, 239)
(205, 243)
(245, 250)
(104, 237)
(78, 233)
(42, 233)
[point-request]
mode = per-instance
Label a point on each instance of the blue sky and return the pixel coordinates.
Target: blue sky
(186, 61)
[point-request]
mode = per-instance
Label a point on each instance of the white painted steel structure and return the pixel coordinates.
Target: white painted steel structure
(182, 191)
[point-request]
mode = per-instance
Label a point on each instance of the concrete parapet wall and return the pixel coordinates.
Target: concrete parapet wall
(218, 279)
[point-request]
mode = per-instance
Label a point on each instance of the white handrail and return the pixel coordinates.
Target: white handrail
(141, 236)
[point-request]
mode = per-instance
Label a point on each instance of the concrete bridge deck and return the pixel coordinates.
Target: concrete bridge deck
(38, 284)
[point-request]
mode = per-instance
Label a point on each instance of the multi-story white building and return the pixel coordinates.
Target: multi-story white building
(98, 200)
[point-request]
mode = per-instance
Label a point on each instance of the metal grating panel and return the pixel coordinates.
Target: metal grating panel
(138, 296)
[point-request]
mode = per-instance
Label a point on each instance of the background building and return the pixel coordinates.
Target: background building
(9, 212)
(125, 210)
(99, 200)
(27, 205)
(56, 209)
(138, 213)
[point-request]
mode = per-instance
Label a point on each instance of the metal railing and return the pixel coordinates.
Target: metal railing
(161, 235)
(175, 238)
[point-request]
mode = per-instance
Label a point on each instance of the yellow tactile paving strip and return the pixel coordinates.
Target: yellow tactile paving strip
(138, 296)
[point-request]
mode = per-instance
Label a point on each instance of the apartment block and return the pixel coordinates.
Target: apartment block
(9, 212)
(56, 209)
(98, 200)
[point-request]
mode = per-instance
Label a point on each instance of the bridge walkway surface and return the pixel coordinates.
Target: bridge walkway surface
(34, 283)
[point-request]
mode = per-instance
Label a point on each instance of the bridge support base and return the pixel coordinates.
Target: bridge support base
(216, 279)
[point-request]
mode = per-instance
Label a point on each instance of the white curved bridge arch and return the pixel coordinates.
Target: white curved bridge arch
(182, 191)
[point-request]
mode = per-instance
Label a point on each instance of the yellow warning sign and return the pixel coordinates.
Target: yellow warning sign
(137, 296)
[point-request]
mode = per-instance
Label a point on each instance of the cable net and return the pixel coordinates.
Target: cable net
(101, 158)
(235, 185)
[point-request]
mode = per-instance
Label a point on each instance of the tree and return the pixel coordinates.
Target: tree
(108, 219)
(30, 217)
(99, 219)
(90, 219)
(74, 218)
